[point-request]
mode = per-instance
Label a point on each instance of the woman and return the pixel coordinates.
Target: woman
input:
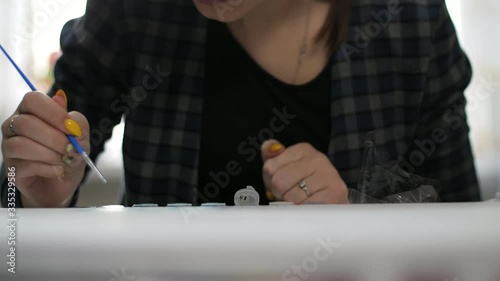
(201, 94)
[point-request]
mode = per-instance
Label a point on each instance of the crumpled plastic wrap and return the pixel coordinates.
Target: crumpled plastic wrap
(384, 181)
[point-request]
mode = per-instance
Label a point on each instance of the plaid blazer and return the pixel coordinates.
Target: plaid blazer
(400, 72)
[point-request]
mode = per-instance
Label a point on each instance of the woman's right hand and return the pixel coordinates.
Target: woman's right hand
(47, 170)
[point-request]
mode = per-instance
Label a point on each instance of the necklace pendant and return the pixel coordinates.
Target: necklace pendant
(303, 53)
(303, 50)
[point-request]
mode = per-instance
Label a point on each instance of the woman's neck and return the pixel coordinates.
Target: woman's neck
(273, 15)
(274, 33)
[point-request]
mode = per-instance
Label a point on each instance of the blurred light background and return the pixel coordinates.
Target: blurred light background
(30, 31)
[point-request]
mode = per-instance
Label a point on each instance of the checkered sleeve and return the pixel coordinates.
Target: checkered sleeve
(89, 70)
(443, 133)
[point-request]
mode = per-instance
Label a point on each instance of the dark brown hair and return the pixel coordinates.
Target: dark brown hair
(336, 24)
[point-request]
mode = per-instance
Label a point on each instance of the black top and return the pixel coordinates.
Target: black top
(245, 106)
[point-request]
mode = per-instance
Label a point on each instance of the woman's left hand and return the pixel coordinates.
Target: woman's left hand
(301, 174)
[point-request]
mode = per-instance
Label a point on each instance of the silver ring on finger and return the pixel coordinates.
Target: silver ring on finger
(10, 129)
(303, 186)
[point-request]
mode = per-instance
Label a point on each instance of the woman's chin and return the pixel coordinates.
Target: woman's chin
(219, 10)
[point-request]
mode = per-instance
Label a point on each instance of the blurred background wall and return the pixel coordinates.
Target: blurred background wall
(30, 31)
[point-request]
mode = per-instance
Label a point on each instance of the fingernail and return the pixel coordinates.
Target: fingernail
(67, 159)
(62, 94)
(275, 147)
(269, 196)
(73, 127)
(70, 148)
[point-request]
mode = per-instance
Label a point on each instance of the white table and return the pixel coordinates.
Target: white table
(253, 243)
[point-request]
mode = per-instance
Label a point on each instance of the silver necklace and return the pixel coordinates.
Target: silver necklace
(304, 47)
